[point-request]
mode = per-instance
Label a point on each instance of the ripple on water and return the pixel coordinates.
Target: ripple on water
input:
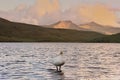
(84, 61)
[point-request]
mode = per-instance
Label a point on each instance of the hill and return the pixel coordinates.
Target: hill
(108, 39)
(66, 25)
(20, 32)
(92, 26)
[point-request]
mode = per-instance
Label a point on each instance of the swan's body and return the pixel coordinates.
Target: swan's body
(58, 61)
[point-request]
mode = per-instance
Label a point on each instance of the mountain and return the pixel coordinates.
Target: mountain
(20, 32)
(65, 25)
(92, 26)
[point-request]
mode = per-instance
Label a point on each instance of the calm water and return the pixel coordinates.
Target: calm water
(30, 61)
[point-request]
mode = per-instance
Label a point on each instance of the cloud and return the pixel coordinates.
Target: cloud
(116, 9)
(20, 7)
(44, 12)
(42, 7)
(99, 13)
(33, 14)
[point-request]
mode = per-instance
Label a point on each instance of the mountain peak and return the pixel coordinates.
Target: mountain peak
(67, 24)
(93, 23)
(93, 26)
(67, 21)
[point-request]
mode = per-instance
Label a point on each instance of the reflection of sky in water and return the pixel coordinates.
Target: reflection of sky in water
(30, 61)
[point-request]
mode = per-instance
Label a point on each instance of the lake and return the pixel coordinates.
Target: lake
(84, 61)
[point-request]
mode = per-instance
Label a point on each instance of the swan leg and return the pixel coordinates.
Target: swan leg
(57, 68)
(60, 68)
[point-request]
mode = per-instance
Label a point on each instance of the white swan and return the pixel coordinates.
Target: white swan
(58, 61)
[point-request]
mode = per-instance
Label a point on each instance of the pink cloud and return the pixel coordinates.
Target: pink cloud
(32, 14)
(47, 12)
(100, 14)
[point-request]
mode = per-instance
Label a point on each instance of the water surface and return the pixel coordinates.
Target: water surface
(84, 61)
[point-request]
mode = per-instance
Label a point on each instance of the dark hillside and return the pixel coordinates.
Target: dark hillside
(20, 32)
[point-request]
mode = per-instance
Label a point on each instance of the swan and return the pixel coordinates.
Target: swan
(58, 61)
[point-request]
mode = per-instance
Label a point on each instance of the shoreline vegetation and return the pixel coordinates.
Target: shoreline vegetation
(21, 32)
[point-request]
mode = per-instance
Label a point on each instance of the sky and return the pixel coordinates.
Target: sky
(44, 12)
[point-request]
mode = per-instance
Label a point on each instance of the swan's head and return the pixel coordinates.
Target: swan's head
(61, 53)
